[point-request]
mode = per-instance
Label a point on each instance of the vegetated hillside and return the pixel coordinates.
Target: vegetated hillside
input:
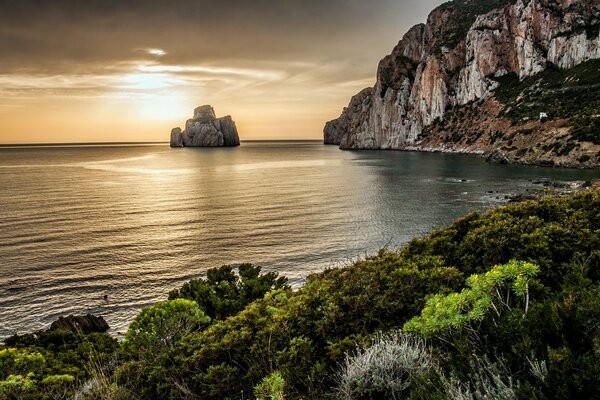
(433, 92)
(508, 127)
(504, 304)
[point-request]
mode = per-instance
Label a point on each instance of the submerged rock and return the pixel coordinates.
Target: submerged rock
(206, 130)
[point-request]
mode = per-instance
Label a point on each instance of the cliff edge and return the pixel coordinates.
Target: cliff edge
(516, 80)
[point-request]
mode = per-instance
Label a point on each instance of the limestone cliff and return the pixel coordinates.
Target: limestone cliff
(206, 130)
(456, 61)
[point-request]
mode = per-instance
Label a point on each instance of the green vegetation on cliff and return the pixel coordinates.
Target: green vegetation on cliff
(508, 301)
(462, 15)
(572, 93)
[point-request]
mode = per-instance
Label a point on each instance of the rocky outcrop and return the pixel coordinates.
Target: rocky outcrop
(456, 58)
(206, 130)
(81, 324)
(335, 131)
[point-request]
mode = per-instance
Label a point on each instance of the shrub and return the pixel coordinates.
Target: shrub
(164, 324)
(271, 387)
(485, 292)
(17, 386)
(385, 369)
(224, 293)
(488, 381)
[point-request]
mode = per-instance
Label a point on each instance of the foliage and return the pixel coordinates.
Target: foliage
(484, 292)
(50, 365)
(271, 387)
(586, 128)
(386, 368)
(17, 386)
(462, 15)
(164, 324)
(19, 361)
(223, 293)
(550, 352)
(571, 93)
(489, 381)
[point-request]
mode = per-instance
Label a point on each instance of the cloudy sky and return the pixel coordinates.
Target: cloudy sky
(116, 70)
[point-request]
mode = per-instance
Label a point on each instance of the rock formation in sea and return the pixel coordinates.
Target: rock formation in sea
(437, 90)
(206, 130)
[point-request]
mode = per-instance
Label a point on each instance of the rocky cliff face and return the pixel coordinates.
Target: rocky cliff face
(206, 130)
(456, 59)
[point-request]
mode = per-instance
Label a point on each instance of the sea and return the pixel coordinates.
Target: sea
(132, 222)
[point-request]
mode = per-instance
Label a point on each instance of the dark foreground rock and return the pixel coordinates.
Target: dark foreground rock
(84, 324)
(206, 130)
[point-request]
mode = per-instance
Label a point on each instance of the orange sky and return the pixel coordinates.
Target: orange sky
(107, 70)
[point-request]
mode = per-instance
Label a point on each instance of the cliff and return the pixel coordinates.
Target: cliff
(206, 130)
(438, 89)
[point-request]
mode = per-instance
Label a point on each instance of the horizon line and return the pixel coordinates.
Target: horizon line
(73, 144)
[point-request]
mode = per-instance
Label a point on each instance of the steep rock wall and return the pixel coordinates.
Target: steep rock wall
(432, 68)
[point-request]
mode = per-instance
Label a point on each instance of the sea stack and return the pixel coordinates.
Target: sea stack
(206, 130)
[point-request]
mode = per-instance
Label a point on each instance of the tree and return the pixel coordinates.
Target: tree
(164, 324)
(224, 293)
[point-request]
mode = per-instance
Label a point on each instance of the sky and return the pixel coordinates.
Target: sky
(129, 71)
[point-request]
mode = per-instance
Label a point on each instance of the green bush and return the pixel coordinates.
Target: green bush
(164, 324)
(272, 387)
(224, 293)
(552, 351)
(484, 293)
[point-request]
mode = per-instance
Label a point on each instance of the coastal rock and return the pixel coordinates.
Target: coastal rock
(83, 324)
(205, 114)
(206, 130)
(176, 137)
(456, 58)
(353, 114)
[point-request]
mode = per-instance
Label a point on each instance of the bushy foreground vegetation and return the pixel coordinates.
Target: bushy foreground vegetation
(499, 305)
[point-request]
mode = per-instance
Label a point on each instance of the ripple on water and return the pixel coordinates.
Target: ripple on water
(137, 222)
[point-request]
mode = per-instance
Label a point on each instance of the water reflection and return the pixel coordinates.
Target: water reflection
(135, 222)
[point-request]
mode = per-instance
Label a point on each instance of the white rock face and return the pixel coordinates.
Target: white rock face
(567, 52)
(206, 130)
(422, 76)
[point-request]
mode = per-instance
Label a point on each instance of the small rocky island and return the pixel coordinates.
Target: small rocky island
(206, 130)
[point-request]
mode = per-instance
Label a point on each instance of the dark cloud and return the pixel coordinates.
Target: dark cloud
(112, 67)
(53, 35)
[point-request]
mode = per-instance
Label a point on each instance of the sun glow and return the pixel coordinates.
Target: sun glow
(156, 52)
(147, 81)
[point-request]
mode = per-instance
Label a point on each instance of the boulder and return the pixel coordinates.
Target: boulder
(80, 324)
(206, 130)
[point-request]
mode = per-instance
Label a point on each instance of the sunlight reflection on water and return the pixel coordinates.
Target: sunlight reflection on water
(136, 222)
